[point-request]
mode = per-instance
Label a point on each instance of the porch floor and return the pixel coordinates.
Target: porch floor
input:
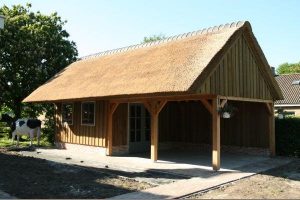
(188, 163)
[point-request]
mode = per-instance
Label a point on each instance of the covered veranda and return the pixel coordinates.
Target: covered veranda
(212, 103)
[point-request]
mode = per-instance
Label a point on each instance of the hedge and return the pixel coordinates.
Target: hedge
(288, 137)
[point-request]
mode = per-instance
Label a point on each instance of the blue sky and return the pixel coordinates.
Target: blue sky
(98, 25)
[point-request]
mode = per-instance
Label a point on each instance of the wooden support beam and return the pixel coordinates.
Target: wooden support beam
(215, 135)
(224, 101)
(160, 106)
(245, 99)
(207, 105)
(111, 109)
(269, 107)
(154, 108)
(182, 97)
(271, 129)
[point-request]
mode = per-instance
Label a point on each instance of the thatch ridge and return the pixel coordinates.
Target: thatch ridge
(212, 29)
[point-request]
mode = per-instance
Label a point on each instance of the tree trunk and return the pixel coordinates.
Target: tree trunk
(17, 109)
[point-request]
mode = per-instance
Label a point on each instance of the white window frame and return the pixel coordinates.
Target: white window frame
(62, 106)
(89, 124)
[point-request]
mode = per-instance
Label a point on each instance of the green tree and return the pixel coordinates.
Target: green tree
(33, 48)
(153, 38)
(289, 68)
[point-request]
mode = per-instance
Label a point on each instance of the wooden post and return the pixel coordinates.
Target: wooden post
(154, 108)
(111, 109)
(215, 135)
(271, 128)
(154, 136)
(56, 122)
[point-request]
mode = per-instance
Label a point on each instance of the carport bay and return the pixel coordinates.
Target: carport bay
(188, 125)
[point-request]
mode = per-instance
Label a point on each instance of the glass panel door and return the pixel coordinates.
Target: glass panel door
(139, 128)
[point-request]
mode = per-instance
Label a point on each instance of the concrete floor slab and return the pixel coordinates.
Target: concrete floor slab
(179, 162)
(186, 187)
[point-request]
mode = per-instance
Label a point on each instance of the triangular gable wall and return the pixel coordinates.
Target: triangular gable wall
(237, 74)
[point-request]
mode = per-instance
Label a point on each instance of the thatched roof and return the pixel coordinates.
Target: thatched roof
(164, 67)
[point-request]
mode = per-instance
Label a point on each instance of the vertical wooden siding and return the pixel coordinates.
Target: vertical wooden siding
(120, 125)
(184, 122)
(237, 75)
(191, 123)
(83, 134)
(187, 122)
(249, 127)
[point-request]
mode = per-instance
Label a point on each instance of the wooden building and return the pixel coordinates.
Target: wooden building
(170, 92)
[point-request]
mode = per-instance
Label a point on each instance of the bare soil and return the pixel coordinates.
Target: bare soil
(280, 183)
(28, 177)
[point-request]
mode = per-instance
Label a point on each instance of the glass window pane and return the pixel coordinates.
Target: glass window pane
(132, 136)
(138, 111)
(132, 123)
(88, 114)
(147, 134)
(138, 135)
(91, 113)
(132, 110)
(67, 113)
(138, 123)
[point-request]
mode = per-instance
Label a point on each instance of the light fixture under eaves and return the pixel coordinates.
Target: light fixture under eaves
(296, 82)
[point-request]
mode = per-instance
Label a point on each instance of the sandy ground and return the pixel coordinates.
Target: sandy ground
(279, 183)
(28, 177)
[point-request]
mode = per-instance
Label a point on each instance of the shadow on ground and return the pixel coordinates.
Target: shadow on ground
(28, 177)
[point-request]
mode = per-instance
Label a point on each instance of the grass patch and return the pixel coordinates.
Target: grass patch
(7, 142)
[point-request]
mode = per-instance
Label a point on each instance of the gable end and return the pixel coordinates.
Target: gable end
(241, 73)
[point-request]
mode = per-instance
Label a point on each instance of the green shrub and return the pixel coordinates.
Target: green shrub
(4, 130)
(49, 128)
(288, 137)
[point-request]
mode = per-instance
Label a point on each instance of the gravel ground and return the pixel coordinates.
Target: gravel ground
(28, 177)
(280, 183)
